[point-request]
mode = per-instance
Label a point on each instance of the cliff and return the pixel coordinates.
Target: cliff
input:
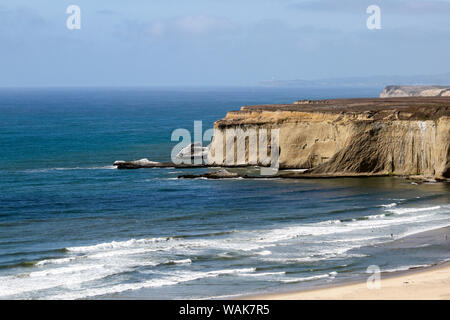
(398, 136)
(415, 91)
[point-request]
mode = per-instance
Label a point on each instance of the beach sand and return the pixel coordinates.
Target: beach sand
(432, 283)
(417, 283)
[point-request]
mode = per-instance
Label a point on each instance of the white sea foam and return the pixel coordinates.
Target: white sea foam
(405, 268)
(182, 261)
(171, 280)
(390, 205)
(65, 270)
(269, 238)
(55, 261)
(262, 274)
(329, 222)
(376, 216)
(71, 276)
(116, 244)
(411, 210)
(302, 279)
(263, 253)
(58, 277)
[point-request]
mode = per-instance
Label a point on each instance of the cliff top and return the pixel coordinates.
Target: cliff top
(408, 108)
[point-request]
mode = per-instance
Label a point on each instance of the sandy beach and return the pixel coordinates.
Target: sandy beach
(432, 283)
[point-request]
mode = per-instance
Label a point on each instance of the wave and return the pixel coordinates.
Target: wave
(167, 244)
(71, 275)
(406, 268)
(23, 264)
(55, 261)
(116, 244)
(171, 280)
(390, 205)
(67, 277)
(319, 256)
(345, 236)
(302, 279)
(412, 210)
(182, 261)
(270, 238)
(263, 253)
(64, 270)
(262, 274)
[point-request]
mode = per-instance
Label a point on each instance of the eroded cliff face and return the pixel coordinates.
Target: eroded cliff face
(406, 136)
(415, 91)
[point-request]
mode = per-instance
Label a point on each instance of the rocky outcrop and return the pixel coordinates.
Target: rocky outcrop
(192, 151)
(415, 91)
(219, 174)
(145, 163)
(397, 136)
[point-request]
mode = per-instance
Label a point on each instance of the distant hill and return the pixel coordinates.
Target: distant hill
(372, 81)
(415, 91)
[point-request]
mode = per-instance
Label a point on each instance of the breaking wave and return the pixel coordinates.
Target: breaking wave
(168, 261)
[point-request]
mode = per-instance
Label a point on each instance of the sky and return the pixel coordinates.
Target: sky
(217, 42)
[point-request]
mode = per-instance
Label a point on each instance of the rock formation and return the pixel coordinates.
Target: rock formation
(194, 150)
(145, 163)
(219, 174)
(397, 136)
(415, 91)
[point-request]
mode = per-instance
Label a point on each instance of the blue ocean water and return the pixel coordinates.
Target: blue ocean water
(71, 226)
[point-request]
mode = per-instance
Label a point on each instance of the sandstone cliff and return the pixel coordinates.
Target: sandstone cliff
(399, 136)
(415, 91)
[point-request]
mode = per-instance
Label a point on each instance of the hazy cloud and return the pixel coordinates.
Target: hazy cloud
(194, 26)
(228, 43)
(20, 19)
(389, 6)
(107, 12)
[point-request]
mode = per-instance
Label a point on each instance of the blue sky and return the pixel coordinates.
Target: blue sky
(217, 42)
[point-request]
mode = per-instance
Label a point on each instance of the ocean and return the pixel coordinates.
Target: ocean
(74, 227)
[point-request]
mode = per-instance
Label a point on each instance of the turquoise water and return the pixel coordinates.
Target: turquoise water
(71, 226)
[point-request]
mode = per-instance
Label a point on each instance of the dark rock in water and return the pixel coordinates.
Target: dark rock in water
(223, 173)
(145, 163)
(220, 174)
